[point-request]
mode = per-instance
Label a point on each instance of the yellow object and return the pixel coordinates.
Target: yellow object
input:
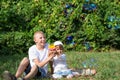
(51, 46)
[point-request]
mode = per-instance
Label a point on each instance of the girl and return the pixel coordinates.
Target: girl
(59, 63)
(60, 66)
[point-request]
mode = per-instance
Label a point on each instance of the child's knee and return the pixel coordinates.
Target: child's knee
(34, 69)
(25, 61)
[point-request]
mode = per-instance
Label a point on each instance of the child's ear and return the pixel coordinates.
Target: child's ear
(35, 40)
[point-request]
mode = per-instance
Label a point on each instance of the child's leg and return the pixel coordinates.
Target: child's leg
(69, 76)
(84, 72)
(90, 71)
(22, 66)
(32, 73)
(57, 76)
(76, 73)
(8, 76)
(87, 72)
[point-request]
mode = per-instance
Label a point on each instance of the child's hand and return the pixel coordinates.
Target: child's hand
(52, 50)
(51, 53)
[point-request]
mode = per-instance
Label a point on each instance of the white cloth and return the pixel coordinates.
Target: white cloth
(40, 54)
(59, 63)
(60, 67)
(58, 43)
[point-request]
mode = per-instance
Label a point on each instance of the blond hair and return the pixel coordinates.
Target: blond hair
(37, 32)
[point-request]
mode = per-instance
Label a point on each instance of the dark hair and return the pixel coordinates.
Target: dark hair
(60, 46)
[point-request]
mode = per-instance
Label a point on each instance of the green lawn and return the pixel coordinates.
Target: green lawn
(107, 64)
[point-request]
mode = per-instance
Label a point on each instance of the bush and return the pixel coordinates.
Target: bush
(75, 23)
(15, 42)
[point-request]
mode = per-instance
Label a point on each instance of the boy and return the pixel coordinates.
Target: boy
(39, 56)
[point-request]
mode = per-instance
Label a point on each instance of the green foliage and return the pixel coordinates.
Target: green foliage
(60, 19)
(15, 42)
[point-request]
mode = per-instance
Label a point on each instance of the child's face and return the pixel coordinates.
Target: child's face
(40, 39)
(58, 49)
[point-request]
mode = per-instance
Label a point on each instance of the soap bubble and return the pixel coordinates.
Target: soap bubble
(90, 63)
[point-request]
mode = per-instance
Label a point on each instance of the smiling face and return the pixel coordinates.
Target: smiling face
(39, 38)
(59, 49)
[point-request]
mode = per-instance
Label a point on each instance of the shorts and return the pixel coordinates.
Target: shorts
(40, 74)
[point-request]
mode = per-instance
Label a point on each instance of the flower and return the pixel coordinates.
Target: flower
(51, 47)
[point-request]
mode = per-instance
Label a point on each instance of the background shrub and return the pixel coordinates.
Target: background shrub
(80, 25)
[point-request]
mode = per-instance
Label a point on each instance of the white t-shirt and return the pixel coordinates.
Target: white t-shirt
(59, 63)
(40, 54)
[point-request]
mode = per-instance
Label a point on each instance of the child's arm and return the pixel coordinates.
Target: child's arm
(51, 66)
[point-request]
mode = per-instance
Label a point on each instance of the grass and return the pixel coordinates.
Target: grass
(107, 64)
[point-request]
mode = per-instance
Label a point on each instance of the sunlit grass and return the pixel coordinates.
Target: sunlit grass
(107, 64)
